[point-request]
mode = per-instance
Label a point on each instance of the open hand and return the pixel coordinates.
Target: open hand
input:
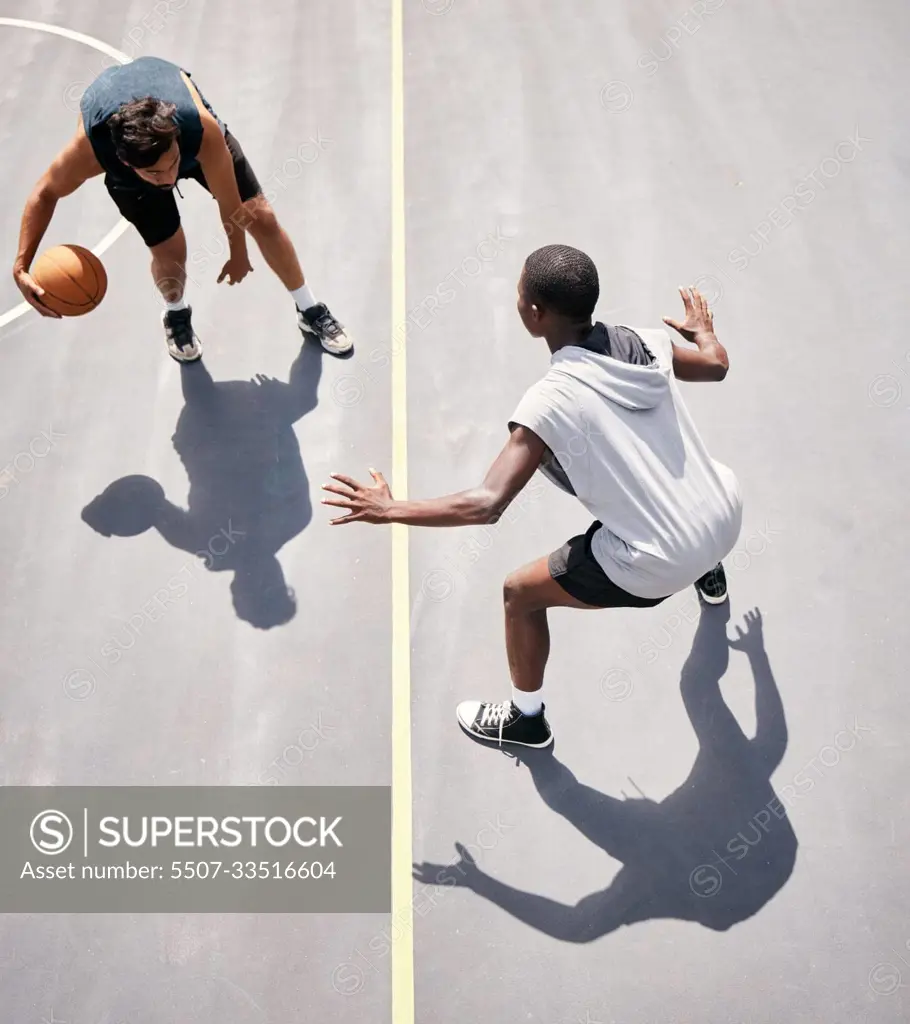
(364, 504)
(699, 318)
(753, 636)
(236, 268)
(464, 872)
(32, 292)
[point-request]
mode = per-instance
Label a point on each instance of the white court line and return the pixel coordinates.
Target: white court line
(79, 37)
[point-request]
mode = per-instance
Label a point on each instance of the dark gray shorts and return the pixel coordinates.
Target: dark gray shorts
(153, 212)
(579, 574)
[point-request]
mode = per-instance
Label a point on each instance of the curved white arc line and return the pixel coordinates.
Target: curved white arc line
(79, 37)
(68, 33)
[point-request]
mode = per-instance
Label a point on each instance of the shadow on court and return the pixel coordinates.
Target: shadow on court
(715, 851)
(248, 493)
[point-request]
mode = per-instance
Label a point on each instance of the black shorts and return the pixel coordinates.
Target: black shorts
(154, 213)
(579, 574)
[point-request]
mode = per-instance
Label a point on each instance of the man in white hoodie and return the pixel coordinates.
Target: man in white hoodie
(608, 424)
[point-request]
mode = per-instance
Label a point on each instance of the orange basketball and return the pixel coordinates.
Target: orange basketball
(74, 280)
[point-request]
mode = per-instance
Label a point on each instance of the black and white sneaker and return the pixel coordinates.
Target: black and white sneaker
(713, 585)
(318, 321)
(503, 723)
(182, 343)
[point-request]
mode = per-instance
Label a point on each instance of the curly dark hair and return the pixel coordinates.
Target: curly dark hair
(563, 280)
(143, 130)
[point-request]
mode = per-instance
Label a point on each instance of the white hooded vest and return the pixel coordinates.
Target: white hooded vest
(623, 437)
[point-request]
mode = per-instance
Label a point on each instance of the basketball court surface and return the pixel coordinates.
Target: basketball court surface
(719, 835)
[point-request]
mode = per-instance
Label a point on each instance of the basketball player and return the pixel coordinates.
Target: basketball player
(145, 125)
(607, 424)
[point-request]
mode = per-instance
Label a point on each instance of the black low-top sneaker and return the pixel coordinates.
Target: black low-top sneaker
(182, 343)
(713, 585)
(318, 321)
(504, 723)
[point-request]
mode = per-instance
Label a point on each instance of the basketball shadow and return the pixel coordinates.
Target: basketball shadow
(714, 851)
(248, 494)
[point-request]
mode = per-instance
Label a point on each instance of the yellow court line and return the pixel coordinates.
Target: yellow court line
(402, 884)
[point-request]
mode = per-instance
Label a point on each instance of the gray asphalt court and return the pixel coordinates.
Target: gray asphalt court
(719, 832)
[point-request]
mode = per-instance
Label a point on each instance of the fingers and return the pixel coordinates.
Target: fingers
(32, 293)
(687, 299)
(338, 504)
(464, 853)
(672, 323)
(350, 481)
(379, 478)
(702, 306)
(39, 305)
(42, 309)
(352, 518)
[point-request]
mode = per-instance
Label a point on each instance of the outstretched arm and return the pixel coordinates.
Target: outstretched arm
(513, 468)
(303, 382)
(182, 531)
(72, 166)
(589, 919)
(770, 741)
(218, 167)
(707, 362)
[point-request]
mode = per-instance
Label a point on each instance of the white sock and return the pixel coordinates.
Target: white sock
(304, 298)
(527, 703)
(172, 307)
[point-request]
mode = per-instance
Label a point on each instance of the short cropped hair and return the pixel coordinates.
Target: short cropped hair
(563, 280)
(142, 131)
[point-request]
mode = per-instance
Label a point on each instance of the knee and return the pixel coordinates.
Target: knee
(515, 595)
(261, 219)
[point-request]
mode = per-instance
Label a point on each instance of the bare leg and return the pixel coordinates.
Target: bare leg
(527, 594)
(169, 266)
(276, 247)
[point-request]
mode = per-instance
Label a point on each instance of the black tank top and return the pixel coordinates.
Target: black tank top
(145, 76)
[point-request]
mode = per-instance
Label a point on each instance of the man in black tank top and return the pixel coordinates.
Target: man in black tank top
(145, 125)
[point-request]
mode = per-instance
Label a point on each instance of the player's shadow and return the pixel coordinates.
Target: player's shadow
(248, 490)
(714, 851)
